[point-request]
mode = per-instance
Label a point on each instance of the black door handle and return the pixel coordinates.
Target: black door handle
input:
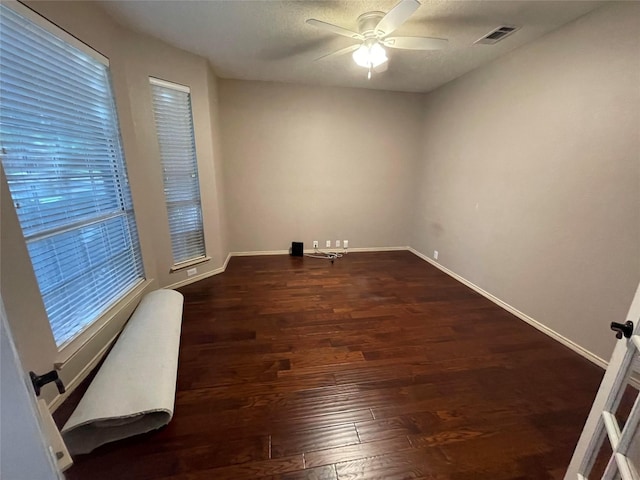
(621, 329)
(41, 380)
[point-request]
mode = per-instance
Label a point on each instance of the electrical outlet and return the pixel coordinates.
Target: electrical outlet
(435, 254)
(191, 272)
(345, 244)
(338, 243)
(315, 244)
(328, 244)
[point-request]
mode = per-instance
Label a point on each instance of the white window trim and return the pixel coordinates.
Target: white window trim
(69, 350)
(54, 29)
(189, 263)
(176, 267)
(172, 85)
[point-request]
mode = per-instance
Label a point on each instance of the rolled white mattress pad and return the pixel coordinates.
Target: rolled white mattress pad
(134, 390)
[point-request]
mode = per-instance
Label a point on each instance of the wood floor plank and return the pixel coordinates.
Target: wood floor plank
(358, 451)
(378, 366)
(290, 443)
(413, 464)
(327, 472)
(394, 427)
(245, 471)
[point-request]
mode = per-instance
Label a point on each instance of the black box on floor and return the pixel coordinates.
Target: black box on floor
(297, 249)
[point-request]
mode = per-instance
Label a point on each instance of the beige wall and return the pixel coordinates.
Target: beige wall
(133, 58)
(529, 184)
(310, 163)
(221, 235)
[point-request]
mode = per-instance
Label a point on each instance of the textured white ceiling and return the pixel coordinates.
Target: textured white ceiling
(269, 39)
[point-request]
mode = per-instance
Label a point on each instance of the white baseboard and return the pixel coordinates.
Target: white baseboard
(226, 261)
(377, 249)
(217, 271)
(521, 315)
(311, 250)
(259, 252)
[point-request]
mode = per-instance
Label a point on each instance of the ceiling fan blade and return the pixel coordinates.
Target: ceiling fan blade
(342, 51)
(416, 43)
(334, 28)
(396, 17)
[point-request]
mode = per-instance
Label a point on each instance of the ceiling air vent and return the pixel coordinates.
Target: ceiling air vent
(497, 34)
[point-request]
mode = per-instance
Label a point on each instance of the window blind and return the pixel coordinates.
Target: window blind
(174, 126)
(61, 152)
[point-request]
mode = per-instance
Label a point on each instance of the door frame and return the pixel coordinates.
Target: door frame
(26, 452)
(609, 394)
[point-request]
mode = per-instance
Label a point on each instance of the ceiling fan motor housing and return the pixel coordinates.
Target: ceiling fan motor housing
(367, 23)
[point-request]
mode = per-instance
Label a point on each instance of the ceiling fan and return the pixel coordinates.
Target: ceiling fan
(374, 30)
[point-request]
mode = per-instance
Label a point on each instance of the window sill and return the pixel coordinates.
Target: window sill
(189, 263)
(70, 350)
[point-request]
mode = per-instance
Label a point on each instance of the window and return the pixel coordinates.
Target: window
(61, 152)
(174, 125)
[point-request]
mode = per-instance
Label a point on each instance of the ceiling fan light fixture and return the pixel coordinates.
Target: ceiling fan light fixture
(370, 56)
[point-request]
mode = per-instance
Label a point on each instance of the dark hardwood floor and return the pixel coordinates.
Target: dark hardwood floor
(376, 367)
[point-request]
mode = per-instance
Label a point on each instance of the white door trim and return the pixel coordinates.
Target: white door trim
(601, 423)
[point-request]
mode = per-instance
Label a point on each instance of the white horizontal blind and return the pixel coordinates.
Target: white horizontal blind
(174, 125)
(61, 152)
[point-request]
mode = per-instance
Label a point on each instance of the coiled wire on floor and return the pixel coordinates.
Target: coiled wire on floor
(324, 255)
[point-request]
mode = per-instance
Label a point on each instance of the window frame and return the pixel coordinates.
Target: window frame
(113, 309)
(204, 257)
(54, 29)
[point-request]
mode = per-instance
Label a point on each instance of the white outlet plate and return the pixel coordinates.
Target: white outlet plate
(435, 254)
(345, 243)
(315, 244)
(337, 243)
(191, 272)
(328, 244)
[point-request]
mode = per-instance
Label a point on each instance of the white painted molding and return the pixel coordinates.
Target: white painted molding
(202, 276)
(521, 315)
(82, 374)
(312, 250)
(260, 252)
(226, 262)
(377, 249)
(114, 313)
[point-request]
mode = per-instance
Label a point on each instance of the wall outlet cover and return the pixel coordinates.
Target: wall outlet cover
(435, 254)
(328, 244)
(345, 243)
(315, 244)
(337, 243)
(191, 272)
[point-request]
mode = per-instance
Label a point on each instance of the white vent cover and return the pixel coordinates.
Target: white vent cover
(497, 34)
